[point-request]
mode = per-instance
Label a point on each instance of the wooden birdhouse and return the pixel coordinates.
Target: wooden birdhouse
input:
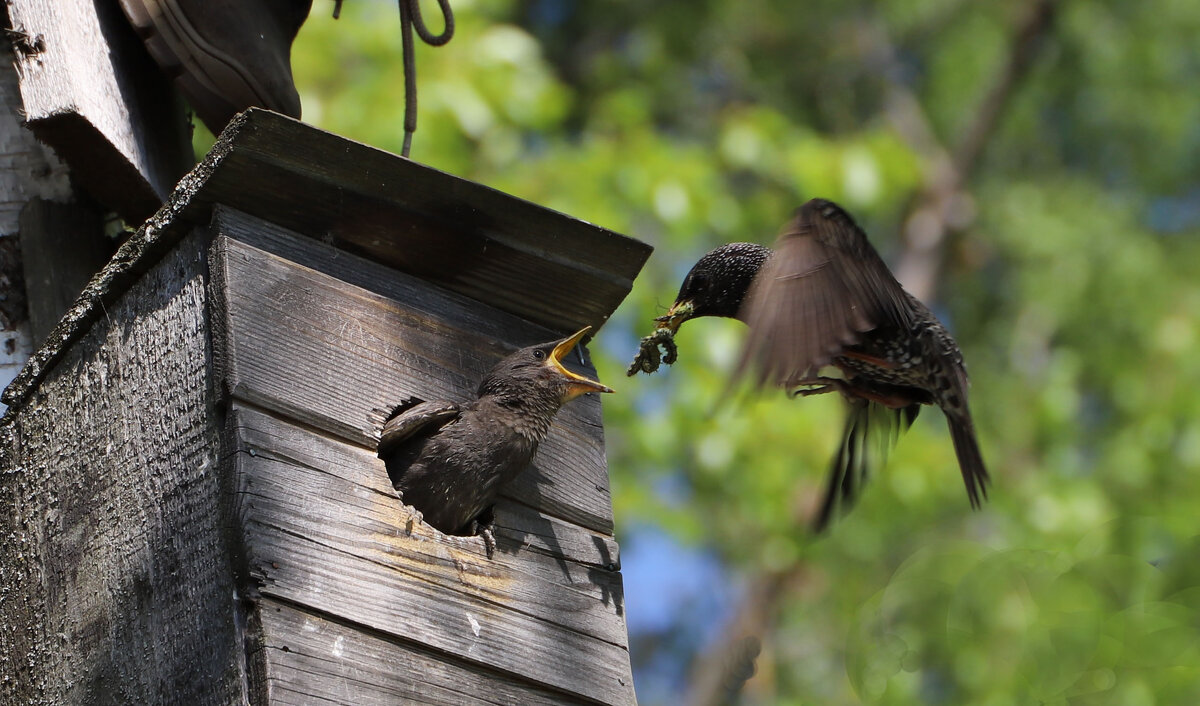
(193, 509)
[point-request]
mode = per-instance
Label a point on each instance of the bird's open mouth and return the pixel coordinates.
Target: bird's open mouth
(578, 384)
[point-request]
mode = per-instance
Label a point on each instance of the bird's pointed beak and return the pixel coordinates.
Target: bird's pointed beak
(679, 312)
(577, 384)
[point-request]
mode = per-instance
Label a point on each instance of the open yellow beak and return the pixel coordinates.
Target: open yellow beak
(578, 384)
(680, 311)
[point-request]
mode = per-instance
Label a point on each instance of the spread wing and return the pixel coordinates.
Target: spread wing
(821, 289)
(418, 421)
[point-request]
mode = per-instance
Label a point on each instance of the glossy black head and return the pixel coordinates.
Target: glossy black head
(717, 283)
(537, 373)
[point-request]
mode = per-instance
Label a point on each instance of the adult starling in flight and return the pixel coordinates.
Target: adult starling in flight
(450, 461)
(824, 297)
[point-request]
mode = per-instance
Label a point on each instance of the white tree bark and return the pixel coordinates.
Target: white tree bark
(28, 170)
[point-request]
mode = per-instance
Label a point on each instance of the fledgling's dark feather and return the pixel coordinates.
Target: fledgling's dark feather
(404, 434)
(423, 417)
(452, 472)
(450, 461)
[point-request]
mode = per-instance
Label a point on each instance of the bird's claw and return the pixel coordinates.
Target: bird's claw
(489, 540)
(817, 386)
(414, 519)
(484, 527)
(485, 531)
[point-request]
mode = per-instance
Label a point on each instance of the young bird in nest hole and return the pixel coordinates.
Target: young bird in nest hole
(450, 461)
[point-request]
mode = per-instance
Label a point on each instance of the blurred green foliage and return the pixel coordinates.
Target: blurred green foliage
(1073, 292)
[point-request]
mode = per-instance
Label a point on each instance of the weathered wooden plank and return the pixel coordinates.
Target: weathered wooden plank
(310, 659)
(140, 252)
(363, 272)
(522, 258)
(92, 93)
(317, 349)
(369, 520)
(319, 190)
(321, 531)
(327, 580)
(62, 246)
(519, 527)
(117, 586)
(28, 169)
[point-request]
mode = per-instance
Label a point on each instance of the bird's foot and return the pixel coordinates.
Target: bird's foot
(817, 386)
(489, 540)
(851, 391)
(414, 519)
(484, 526)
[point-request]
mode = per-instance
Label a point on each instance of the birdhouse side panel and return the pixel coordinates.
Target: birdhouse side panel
(119, 520)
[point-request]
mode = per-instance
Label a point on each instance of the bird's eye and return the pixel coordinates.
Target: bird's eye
(699, 283)
(539, 354)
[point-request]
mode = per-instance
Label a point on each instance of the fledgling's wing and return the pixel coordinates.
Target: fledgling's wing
(421, 420)
(822, 288)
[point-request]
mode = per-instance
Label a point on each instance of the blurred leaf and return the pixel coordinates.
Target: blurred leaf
(1074, 293)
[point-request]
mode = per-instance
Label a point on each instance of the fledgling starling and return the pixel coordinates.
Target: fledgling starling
(450, 461)
(824, 297)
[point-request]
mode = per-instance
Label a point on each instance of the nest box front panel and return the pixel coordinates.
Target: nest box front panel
(307, 362)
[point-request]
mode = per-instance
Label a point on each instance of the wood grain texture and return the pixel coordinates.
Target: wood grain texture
(117, 586)
(519, 257)
(317, 349)
(322, 529)
(62, 246)
(139, 253)
(28, 169)
(263, 434)
(312, 659)
(121, 523)
(92, 93)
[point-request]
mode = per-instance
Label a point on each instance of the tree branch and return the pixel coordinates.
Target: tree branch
(941, 207)
(719, 674)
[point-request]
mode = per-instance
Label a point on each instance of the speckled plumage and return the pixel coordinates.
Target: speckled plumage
(450, 461)
(719, 281)
(823, 296)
